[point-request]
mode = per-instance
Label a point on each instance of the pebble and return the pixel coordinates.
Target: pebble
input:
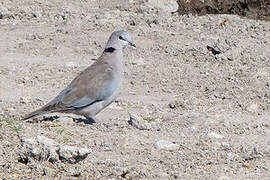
(65, 120)
(24, 100)
(221, 57)
(115, 106)
(264, 72)
(215, 135)
(93, 51)
(138, 61)
(71, 64)
(253, 107)
(223, 178)
(139, 123)
(166, 145)
(172, 106)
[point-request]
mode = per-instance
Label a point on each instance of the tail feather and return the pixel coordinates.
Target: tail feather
(49, 108)
(36, 113)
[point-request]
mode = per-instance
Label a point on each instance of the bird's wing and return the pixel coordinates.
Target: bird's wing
(96, 83)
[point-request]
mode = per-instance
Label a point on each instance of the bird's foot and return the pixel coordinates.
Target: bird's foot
(88, 120)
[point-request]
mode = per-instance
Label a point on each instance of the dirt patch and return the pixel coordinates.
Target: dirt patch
(254, 9)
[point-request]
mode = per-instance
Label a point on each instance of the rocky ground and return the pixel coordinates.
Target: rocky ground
(195, 102)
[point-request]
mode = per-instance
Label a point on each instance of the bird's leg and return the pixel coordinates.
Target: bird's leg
(90, 120)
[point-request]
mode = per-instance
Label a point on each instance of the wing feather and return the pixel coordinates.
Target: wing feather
(96, 83)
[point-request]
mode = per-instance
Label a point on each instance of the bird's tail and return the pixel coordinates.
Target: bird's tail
(38, 112)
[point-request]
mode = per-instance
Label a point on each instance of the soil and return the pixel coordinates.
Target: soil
(200, 84)
(254, 9)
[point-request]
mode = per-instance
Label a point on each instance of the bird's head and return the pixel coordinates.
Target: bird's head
(119, 40)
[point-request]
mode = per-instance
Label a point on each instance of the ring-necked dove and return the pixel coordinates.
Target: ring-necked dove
(97, 86)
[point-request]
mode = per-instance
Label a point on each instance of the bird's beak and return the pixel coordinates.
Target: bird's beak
(132, 44)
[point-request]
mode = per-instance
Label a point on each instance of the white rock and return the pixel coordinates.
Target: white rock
(223, 178)
(42, 148)
(93, 52)
(65, 120)
(182, 135)
(139, 123)
(166, 145)
(215, 135)
(221, 57)
(264, 72)
(114, 106)
(23, 100)
(70, 64)
(253, 107)
(3, 10)
(138, 61)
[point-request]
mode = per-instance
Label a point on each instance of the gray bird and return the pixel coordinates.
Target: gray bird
(97, 86)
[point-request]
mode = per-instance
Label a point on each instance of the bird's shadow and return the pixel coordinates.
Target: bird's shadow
(49, 118)
(85, 121)
(89, 121)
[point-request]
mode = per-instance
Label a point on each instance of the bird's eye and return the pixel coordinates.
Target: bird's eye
(120, 37)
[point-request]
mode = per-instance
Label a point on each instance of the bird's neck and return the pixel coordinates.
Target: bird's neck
(112, 51)
(116, 56)
(109, 50)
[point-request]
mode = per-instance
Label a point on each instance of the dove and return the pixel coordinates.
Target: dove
(97, 86)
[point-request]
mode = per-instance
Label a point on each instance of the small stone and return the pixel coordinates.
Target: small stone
(65, 120)
(221, 57)
(39, 99)
(215, 135)
(223, 178)
(138, 61)
(166, 145)
(93, 51)
(264, 72)
(132, 23)
(23, 100)
(49, 172)
(253, 107)
(115, 106)
(11, 109)
(138, 122)
(26, 78)
(70, 64)
(182, 135)
(172, 106)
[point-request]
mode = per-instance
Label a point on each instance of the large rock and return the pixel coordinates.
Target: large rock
(44, 149)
